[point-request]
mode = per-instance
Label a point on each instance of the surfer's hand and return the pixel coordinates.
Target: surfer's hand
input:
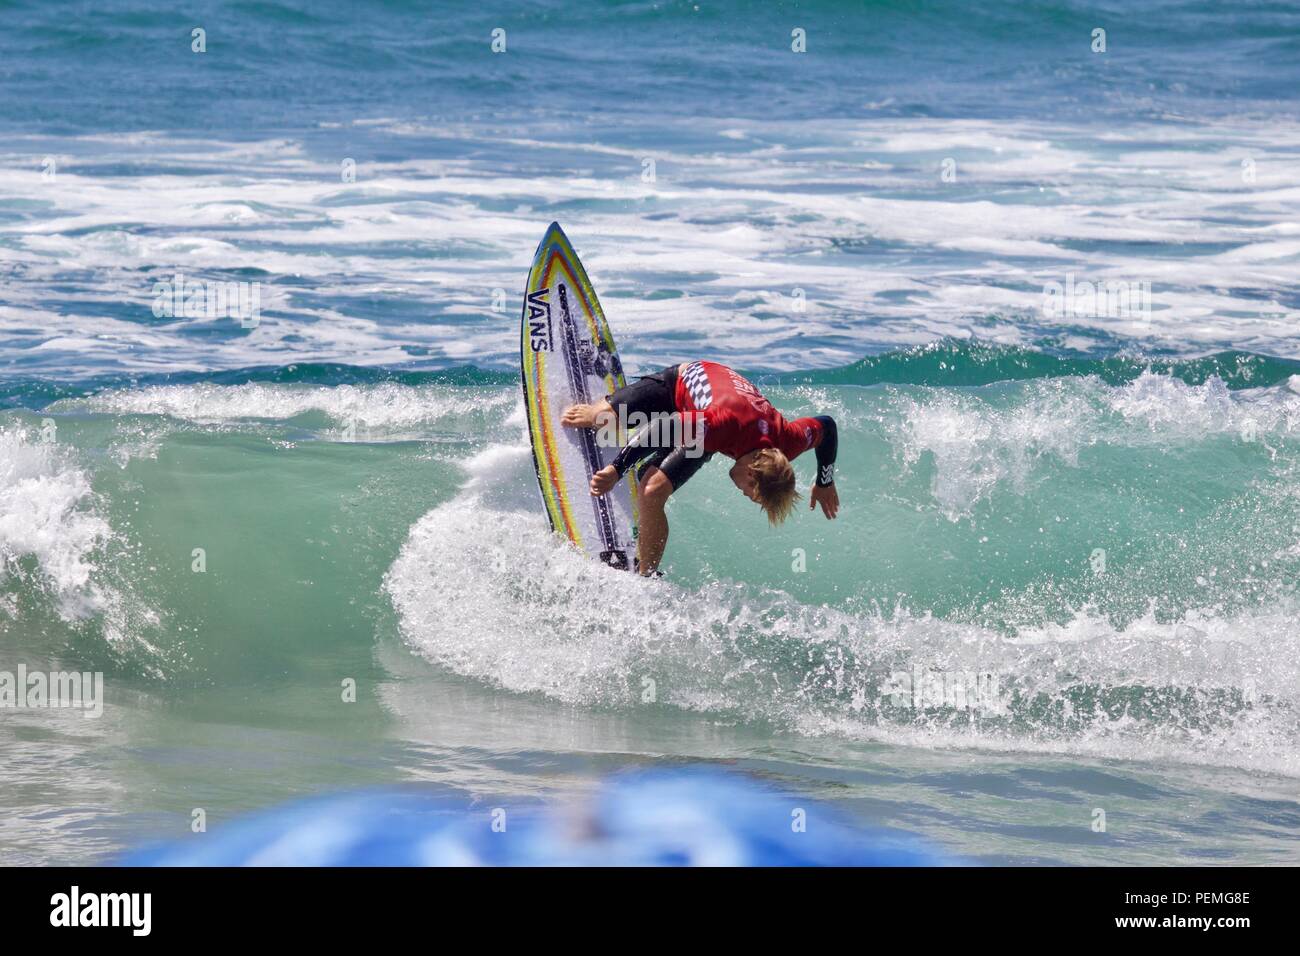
(826, 496)
(604, 480)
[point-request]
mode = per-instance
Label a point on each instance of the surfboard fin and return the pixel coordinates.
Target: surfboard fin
(615, 559)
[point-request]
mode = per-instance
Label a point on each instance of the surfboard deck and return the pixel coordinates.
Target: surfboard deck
(567, 356)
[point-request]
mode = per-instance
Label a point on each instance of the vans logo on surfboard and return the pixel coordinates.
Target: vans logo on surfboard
(539, 321)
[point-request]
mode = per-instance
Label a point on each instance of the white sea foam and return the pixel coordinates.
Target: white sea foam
(482, 590)
(489, 596)
(857, 216)
(48, 516)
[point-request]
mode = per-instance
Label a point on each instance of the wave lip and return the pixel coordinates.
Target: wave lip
(950, 362)
(980, 439)
(50, 530)
(380, 408)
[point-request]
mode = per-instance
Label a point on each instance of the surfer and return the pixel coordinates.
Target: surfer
(712, 409)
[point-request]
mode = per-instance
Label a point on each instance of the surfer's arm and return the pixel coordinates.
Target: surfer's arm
(640, 445)
(609, 476)
(827, 448)
(645, 441)
(823, 490)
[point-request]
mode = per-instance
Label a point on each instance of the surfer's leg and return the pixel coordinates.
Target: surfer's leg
(652, 530)
(663, 474)
(649, 395)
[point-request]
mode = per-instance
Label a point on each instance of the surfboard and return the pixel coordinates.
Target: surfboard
(567, 356)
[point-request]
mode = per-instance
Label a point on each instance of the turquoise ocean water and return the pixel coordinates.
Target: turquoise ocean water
(1090, 518)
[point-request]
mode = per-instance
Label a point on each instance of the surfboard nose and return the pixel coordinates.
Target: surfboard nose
(554, 236)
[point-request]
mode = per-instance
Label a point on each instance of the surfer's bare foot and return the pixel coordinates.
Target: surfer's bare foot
(584, 416)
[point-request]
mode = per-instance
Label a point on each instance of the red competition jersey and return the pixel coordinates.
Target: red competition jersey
(737, 418)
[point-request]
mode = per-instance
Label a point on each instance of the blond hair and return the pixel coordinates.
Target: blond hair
(777, 490)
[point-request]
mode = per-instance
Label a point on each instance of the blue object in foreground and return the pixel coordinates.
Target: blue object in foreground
(656, 819)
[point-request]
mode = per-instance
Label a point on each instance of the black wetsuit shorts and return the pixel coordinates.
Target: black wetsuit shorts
(651, 395)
